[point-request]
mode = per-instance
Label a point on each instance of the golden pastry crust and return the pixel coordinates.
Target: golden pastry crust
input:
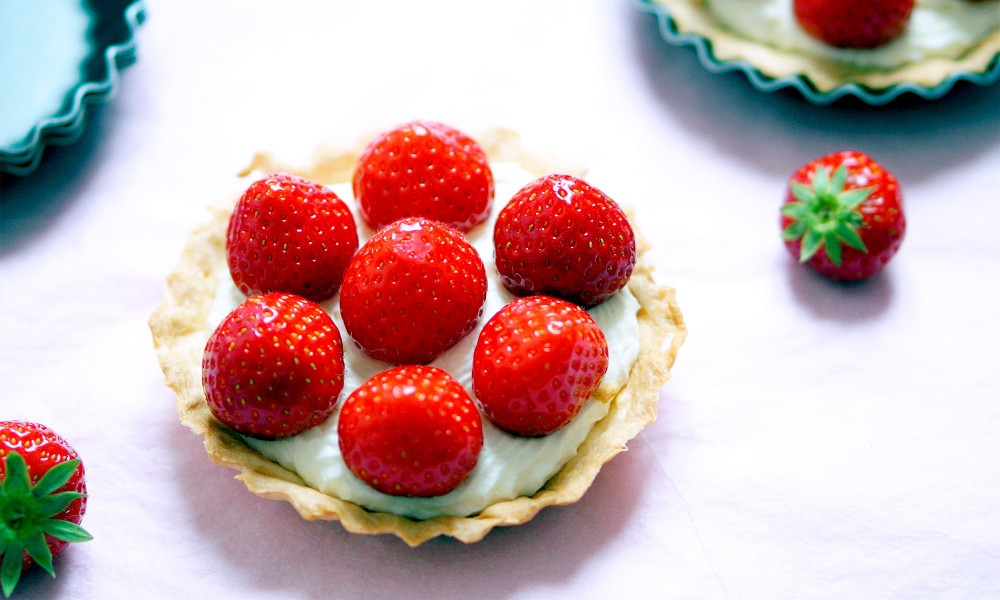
(180, 331)
(824, 74)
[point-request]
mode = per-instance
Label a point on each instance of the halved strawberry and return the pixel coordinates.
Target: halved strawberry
(289, 234)
(43, 497)
(843, 216)
(412, 291)
(563, 237)
(424, 169)
(536, 363)
(274, 366)
(410, 431)
(854, 23)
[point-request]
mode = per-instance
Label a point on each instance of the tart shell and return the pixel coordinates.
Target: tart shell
(180, 330)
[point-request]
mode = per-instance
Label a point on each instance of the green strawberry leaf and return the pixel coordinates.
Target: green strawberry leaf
(64, 530)
(833, 249)
(795, 210)
(839, 180)
(794, 231)
(10, 567)
(852, 199)
(821, 181)
(811, 243)
(17, 480)
(802, 192)
(848, 234)
(55, 478)
(49, 506)
(39, 552)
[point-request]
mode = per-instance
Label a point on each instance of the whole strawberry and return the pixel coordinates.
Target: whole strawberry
(43, 497)
(412, 291)
(536, 363)
(563, 237)
(843, 216)
(424, 169)
(410, 431)
(854, 23)
(288, 234)
(274, 366)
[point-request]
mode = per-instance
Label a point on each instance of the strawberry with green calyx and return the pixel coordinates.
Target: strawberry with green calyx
(843, 216)
(43, 497)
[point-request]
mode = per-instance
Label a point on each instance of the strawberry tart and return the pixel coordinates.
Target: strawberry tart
(874, 44)
(424, 335)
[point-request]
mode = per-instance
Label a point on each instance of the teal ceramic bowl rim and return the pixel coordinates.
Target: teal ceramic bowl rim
(66, 126)
(800, 83)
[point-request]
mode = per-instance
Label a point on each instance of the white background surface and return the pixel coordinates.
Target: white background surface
(816, 440)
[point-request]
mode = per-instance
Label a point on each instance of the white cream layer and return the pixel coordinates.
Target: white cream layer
(508, 466)
(937, 29)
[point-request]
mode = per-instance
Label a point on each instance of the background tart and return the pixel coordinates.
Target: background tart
(820, 77)
(180, 329)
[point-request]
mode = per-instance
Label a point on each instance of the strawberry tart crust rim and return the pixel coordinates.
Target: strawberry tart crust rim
(180, 332)
(825, 75)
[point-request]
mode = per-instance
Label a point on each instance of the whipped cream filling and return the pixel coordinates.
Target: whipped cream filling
(508, 466)
(937, 29)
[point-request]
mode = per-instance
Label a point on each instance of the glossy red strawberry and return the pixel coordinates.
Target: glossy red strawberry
(424, 169)
(412, 291)
(43, 497)
(274, 366)
(843, 216)
(563, 237)
(288, 234)
(536, 363)
(410, 431)
(854, 23)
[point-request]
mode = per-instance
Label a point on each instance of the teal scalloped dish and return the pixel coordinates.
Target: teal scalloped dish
(59, 58)
(673, 34)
